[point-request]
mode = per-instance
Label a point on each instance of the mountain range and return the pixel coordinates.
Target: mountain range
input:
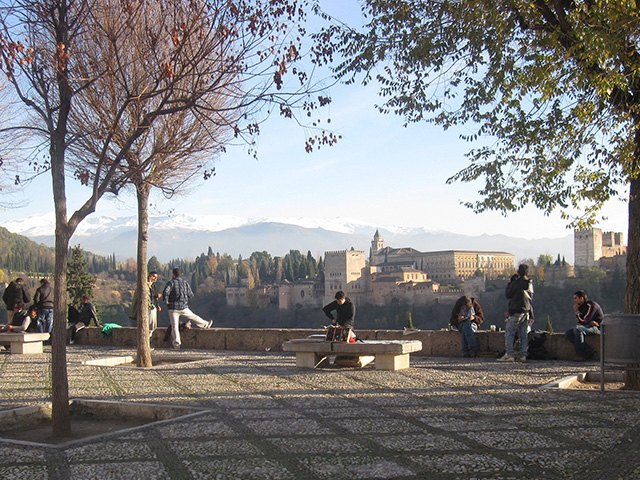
(187, 236)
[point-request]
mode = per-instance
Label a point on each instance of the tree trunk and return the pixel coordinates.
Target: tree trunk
(61, 417)
(144, 347)
(632, 291)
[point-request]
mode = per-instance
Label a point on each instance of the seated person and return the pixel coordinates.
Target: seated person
(589, 315)
(345, 312)
(23, 320)
(82, 318)
(466, 317)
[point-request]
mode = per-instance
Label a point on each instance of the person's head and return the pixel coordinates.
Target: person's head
(18, 307)
(340, 297)
(33, 311)
(86, 299)
(175, 272)
(152, 277)
(523, 270)
(19, 281)
(467, 302)
(43, 281)
(580, 297)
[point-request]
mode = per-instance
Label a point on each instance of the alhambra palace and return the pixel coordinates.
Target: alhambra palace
(389, 276)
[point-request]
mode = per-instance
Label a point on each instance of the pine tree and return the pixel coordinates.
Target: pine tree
(79, 281)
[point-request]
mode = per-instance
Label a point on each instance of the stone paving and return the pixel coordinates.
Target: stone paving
(444, 418)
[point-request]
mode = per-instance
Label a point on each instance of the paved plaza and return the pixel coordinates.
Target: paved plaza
(264, 419)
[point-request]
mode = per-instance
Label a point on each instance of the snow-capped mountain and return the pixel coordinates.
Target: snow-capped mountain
(186, 236)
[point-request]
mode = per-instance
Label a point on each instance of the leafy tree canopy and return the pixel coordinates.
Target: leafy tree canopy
(549, 91)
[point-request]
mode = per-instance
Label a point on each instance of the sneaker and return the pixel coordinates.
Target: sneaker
(210, 325)
(71, 342)
(521, 359)
(507, 358)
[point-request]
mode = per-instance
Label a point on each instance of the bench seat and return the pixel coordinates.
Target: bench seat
(22, 342)
(389, 354)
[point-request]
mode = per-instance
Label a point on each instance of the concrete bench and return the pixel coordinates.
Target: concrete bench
(21, 342)
(389, 354)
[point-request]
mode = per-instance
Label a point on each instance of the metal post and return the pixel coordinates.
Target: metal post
(602, 357)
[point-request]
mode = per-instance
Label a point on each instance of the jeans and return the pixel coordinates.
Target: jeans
(45, 320)
(517, 323)
(467, 330)
(174, 318)
(577, 335)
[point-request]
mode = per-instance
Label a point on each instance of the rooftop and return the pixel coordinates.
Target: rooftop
(444, 418)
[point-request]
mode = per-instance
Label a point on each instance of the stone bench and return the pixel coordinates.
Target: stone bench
(389, 354)
(21, 342)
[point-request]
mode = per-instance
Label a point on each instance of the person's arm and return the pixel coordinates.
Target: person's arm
(25, 296)
(587, 320)
(330, 308)
(166, 292)
(479, 315)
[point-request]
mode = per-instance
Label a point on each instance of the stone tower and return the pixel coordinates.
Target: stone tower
(377, 244)
(344, 270)
(587, 247)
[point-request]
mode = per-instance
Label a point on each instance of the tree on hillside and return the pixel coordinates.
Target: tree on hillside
(549, 91)
(79, 281)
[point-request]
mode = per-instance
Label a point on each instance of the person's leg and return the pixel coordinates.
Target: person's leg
(153, 320)
(48, 320)
(174, 320)
(582, 348)
(469, 344)
(195, 319)
(40, 321)
(509, 335)
(523, 333)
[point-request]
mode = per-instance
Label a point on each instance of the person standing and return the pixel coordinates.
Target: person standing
(466, 317)
(589, 315)
(16, 292)
(43, 301)
(176, 295)
(519, 291)
(154, 308)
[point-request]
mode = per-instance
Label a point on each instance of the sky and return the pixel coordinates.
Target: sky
(380, 173)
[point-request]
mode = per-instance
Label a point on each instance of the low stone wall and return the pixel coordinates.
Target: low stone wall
(435, 343)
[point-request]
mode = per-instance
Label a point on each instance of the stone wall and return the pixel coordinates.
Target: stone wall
(436, 343)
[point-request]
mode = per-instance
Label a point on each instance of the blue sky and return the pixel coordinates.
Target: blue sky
(380, 173)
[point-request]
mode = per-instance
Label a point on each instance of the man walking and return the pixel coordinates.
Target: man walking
(176, 295)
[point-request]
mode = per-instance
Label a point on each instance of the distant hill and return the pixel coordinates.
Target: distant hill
(18, 253)
(188, 236)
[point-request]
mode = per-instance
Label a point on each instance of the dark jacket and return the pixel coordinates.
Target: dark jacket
(479, 314)
(345, 313)
(519, 291)
(43, 299)
(88, 313)
(15, 293)
(177, 293)
(589, 312)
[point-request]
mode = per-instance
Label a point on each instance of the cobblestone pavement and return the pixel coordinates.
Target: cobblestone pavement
(265, 419)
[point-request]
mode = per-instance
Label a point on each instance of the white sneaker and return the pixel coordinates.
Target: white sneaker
(210, 324)
(507, 358)
(521, 359)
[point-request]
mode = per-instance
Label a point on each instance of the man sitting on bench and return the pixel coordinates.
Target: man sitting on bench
(343, 321)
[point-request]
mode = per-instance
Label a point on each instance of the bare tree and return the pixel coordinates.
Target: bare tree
(159, 58)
